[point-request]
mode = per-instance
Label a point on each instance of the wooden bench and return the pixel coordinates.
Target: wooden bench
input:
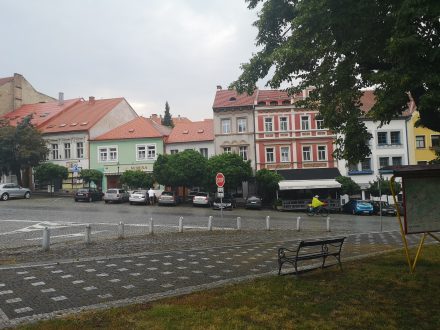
(311, 249)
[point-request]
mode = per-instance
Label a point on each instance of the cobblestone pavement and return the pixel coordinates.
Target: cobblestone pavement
(187, 263)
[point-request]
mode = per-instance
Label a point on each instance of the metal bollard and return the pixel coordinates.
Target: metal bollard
(46, 239)
(328, 223)
(88, 234)
(238, 223)
(298, 224)
(151, 231)
(210, 223)
(268, 222)
(121, 230)
(180, 224)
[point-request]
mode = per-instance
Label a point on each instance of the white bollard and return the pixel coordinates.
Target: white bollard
(121, 230)
(298, 224)
(88, 234)
(268, 222)
(180, 224)
(46, 239)
(328, 223)
(238, 223)
(210, 223)
(151, 231)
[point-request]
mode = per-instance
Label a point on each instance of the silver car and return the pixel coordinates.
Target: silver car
(116, 196)
(202, 199)
(138, 197)
(13, 190)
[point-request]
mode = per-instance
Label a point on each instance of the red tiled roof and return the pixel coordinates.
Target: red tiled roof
(81, 117)
(367, 100)
(230, 98)
(6, 80)
(41, 112)
(192, 132)
(272, 95)
(178, 120)
(137, 128)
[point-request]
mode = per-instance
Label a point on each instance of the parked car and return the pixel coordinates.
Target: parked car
(191, 195)
(253, 202)
(203, 199)
(224, 203)
(116, 196)
(13, 190)
(138, 197)
(357, 206)
(88, 194)
(401, 208)
(168, 198)
(387, 209)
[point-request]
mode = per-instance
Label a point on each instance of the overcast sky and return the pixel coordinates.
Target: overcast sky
(148, 51)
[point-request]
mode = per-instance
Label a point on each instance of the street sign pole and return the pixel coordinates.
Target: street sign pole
(220, 182)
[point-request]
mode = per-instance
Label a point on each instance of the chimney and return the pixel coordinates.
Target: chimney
(60, 98)
(91, 100)
(219, 87)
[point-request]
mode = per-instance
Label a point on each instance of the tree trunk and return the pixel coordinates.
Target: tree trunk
(17, 172)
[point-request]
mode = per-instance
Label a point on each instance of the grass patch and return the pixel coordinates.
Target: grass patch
(373, 293)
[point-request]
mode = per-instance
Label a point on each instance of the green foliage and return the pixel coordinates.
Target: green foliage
(267, 183)
(137, 179)
(167, 120)
(348, 186)
(341, 47)
(235, 169)
(89, 175)
(187, 168)
(49, 172)
(21, 147)
(436, 160)
(385, 188)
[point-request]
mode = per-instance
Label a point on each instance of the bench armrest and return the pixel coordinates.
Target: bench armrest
(282, 252)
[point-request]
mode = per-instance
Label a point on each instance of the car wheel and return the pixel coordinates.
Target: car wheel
(27, 195)
(5, 197)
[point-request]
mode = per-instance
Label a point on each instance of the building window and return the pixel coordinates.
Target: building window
(366, 164)
(67, 150)
(320, 124)
(283, 124)
(108, 154)
(396, 161)
(268, 125)
(243, 152)
(141, 152)
(352, 167)
(227, 150)
(382, 138)
(204, 152)
(151, 152)
(113, 154)
(174, 151)
(322, 153)
(285, 151)
(54, 151)
(305, 126)
(80, 150)
(306, 153)
(435, 141)
(420, 141)
(395, 137)
(102, 154)
(422, 162)
(241, 125)
(270, 157)
(383, 162)
(226, 126)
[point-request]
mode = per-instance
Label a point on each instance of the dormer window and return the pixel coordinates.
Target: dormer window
(185, 132)
(84, 123)
(273, 103)
(262, 103)
(131, 130)
(62, 125)
(200, 130)
(73, 124)
(232, 99)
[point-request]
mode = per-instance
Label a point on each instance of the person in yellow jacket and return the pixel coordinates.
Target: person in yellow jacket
(316, 202)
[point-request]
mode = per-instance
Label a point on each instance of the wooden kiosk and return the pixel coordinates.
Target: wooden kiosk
(421, 201)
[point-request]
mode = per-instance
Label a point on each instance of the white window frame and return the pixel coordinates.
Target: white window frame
(384, 157)
(242, 125)
(80, 150)
(139, 148)
(54, 150)
(268, 121)
(303, 128)
(204, 152)
(67, 153)
(285, 154)
(418, 142)
(108, 151)
(320, 151)
(272, 153)
(226, 129)
(243, 152)
(151, 151)
(286, 122)
(227, 150)
(400, 137)
(320, 124)
(310, 158)
(174, 151)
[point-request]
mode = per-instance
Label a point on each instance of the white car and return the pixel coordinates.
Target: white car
(13, 190)
(203, 199)
(138, 197)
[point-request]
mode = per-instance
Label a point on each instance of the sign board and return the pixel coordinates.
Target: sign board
(220, 190)
(220, 180)
(220, 195)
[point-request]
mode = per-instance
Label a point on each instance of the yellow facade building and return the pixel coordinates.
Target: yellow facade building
(422, 142)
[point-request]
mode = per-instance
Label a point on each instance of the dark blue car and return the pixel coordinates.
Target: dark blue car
(356, 206)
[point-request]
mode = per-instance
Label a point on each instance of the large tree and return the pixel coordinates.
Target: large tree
(137, 179)
(267, 183)
(341, 47)
(49, 173)
(348, 186)
(167, 120)
(382, 186)
(89, 175)
(21, 147)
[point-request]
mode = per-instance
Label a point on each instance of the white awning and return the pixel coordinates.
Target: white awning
(308, 184)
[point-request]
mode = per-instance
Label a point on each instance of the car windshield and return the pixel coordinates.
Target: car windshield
(364, 203)
(202, 194)
(167, 193)
(112, 191)
(139, 192)
(83, 190)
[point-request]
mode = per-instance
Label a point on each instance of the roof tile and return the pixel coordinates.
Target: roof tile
(195, 131)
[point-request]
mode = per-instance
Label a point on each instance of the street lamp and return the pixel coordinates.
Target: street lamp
(380, 200)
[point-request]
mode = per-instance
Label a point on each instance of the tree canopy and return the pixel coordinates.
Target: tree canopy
(21, 147)
(348, 186)
(384, 188)
(49, 173)
(167, 120)
(342, 47)
(89, 175)
(267, 183)
(137, 179)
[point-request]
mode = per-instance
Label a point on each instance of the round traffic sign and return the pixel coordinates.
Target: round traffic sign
(220, 179)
